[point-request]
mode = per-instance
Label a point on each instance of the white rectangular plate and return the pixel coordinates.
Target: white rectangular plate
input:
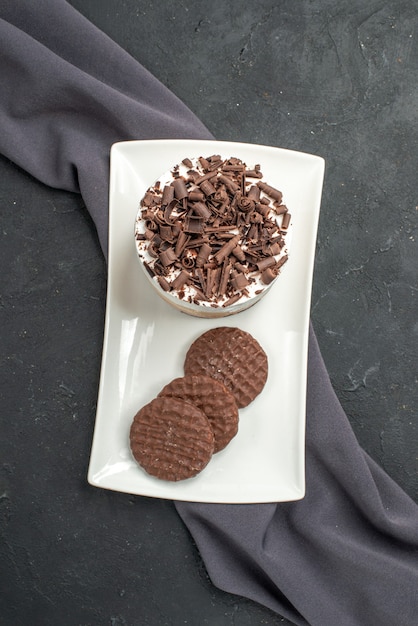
(146, 340)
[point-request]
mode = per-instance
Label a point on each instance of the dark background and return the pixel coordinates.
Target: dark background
(337, 79)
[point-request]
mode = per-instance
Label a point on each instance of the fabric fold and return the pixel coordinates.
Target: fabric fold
(345, 555)
(68, 93)
(334, 556)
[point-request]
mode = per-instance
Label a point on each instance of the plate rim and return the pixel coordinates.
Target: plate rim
(298, 492)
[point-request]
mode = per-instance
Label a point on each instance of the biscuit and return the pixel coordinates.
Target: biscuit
(233, 357)
(171, 439)
(213, 398)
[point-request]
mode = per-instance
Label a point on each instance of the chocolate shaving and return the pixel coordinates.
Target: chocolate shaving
(286, 221)
(180, 189)
(196, 195)
(203, 254)
(212, 232)
(239, 281)
(181, 242)
(168, 195)
(202, 210)
(270, 191)
(180, 280)
(193, 224)
(207, 188)
(166, 233)
(226, 249)
(265, 263)
(187, 262)
(164, 284)
(167, 257)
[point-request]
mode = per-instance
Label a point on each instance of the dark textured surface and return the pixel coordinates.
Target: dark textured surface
(334, 79)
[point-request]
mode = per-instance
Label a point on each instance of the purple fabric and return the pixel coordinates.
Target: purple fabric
(345, 555)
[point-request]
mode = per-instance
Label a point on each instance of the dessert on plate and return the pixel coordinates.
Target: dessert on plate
(212, 235)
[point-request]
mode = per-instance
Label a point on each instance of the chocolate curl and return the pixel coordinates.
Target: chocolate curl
(164, 284)
(274, 248)
(166, 233)
(210, 281)
(168, 195)
(253, 232)
(180, 280)
(203, 254)
(192, 176)
(263, 209)
(208, 176)
(220, 196)
(238, 253)
(280, 209)
(215, 161)
(265, 263)
(149, 199)
(200, 275)
(226, 249)
(267, 276)
(180, 189)
(223, 283)
(207, 188)
(187, 262)
(204, 163)
(159, 269)
(233, 167)
(253, 174)
(196, 195)
(244, 204)
(255, 217)
(232, 300)
(147, 214)
(270, 191)
(286, 221)
(176, 228)
(216, 280)
(167, 257)
(202, 210)
(153, 250)
(181, 243)
(281, 262)
(187, 163)
(239, 281)
(199, 295)
(254, 193)
(243, 184)
(232, 186)
(151, 226)
(194, 224)
(168, 210)
(149, 269)
(149, 234)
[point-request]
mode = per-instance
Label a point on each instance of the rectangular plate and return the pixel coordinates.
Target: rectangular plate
(146, 339)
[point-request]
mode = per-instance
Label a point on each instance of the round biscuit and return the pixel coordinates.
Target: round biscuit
(213, 398)
(232, 356)
(171, 439)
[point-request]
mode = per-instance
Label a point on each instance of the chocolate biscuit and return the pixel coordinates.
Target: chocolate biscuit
(232, 356)
(213, 398)
(171, 439)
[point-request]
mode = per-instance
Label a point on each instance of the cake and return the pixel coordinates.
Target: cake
(212, 235)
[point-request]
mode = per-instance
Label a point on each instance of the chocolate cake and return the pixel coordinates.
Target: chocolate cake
(212, 235)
